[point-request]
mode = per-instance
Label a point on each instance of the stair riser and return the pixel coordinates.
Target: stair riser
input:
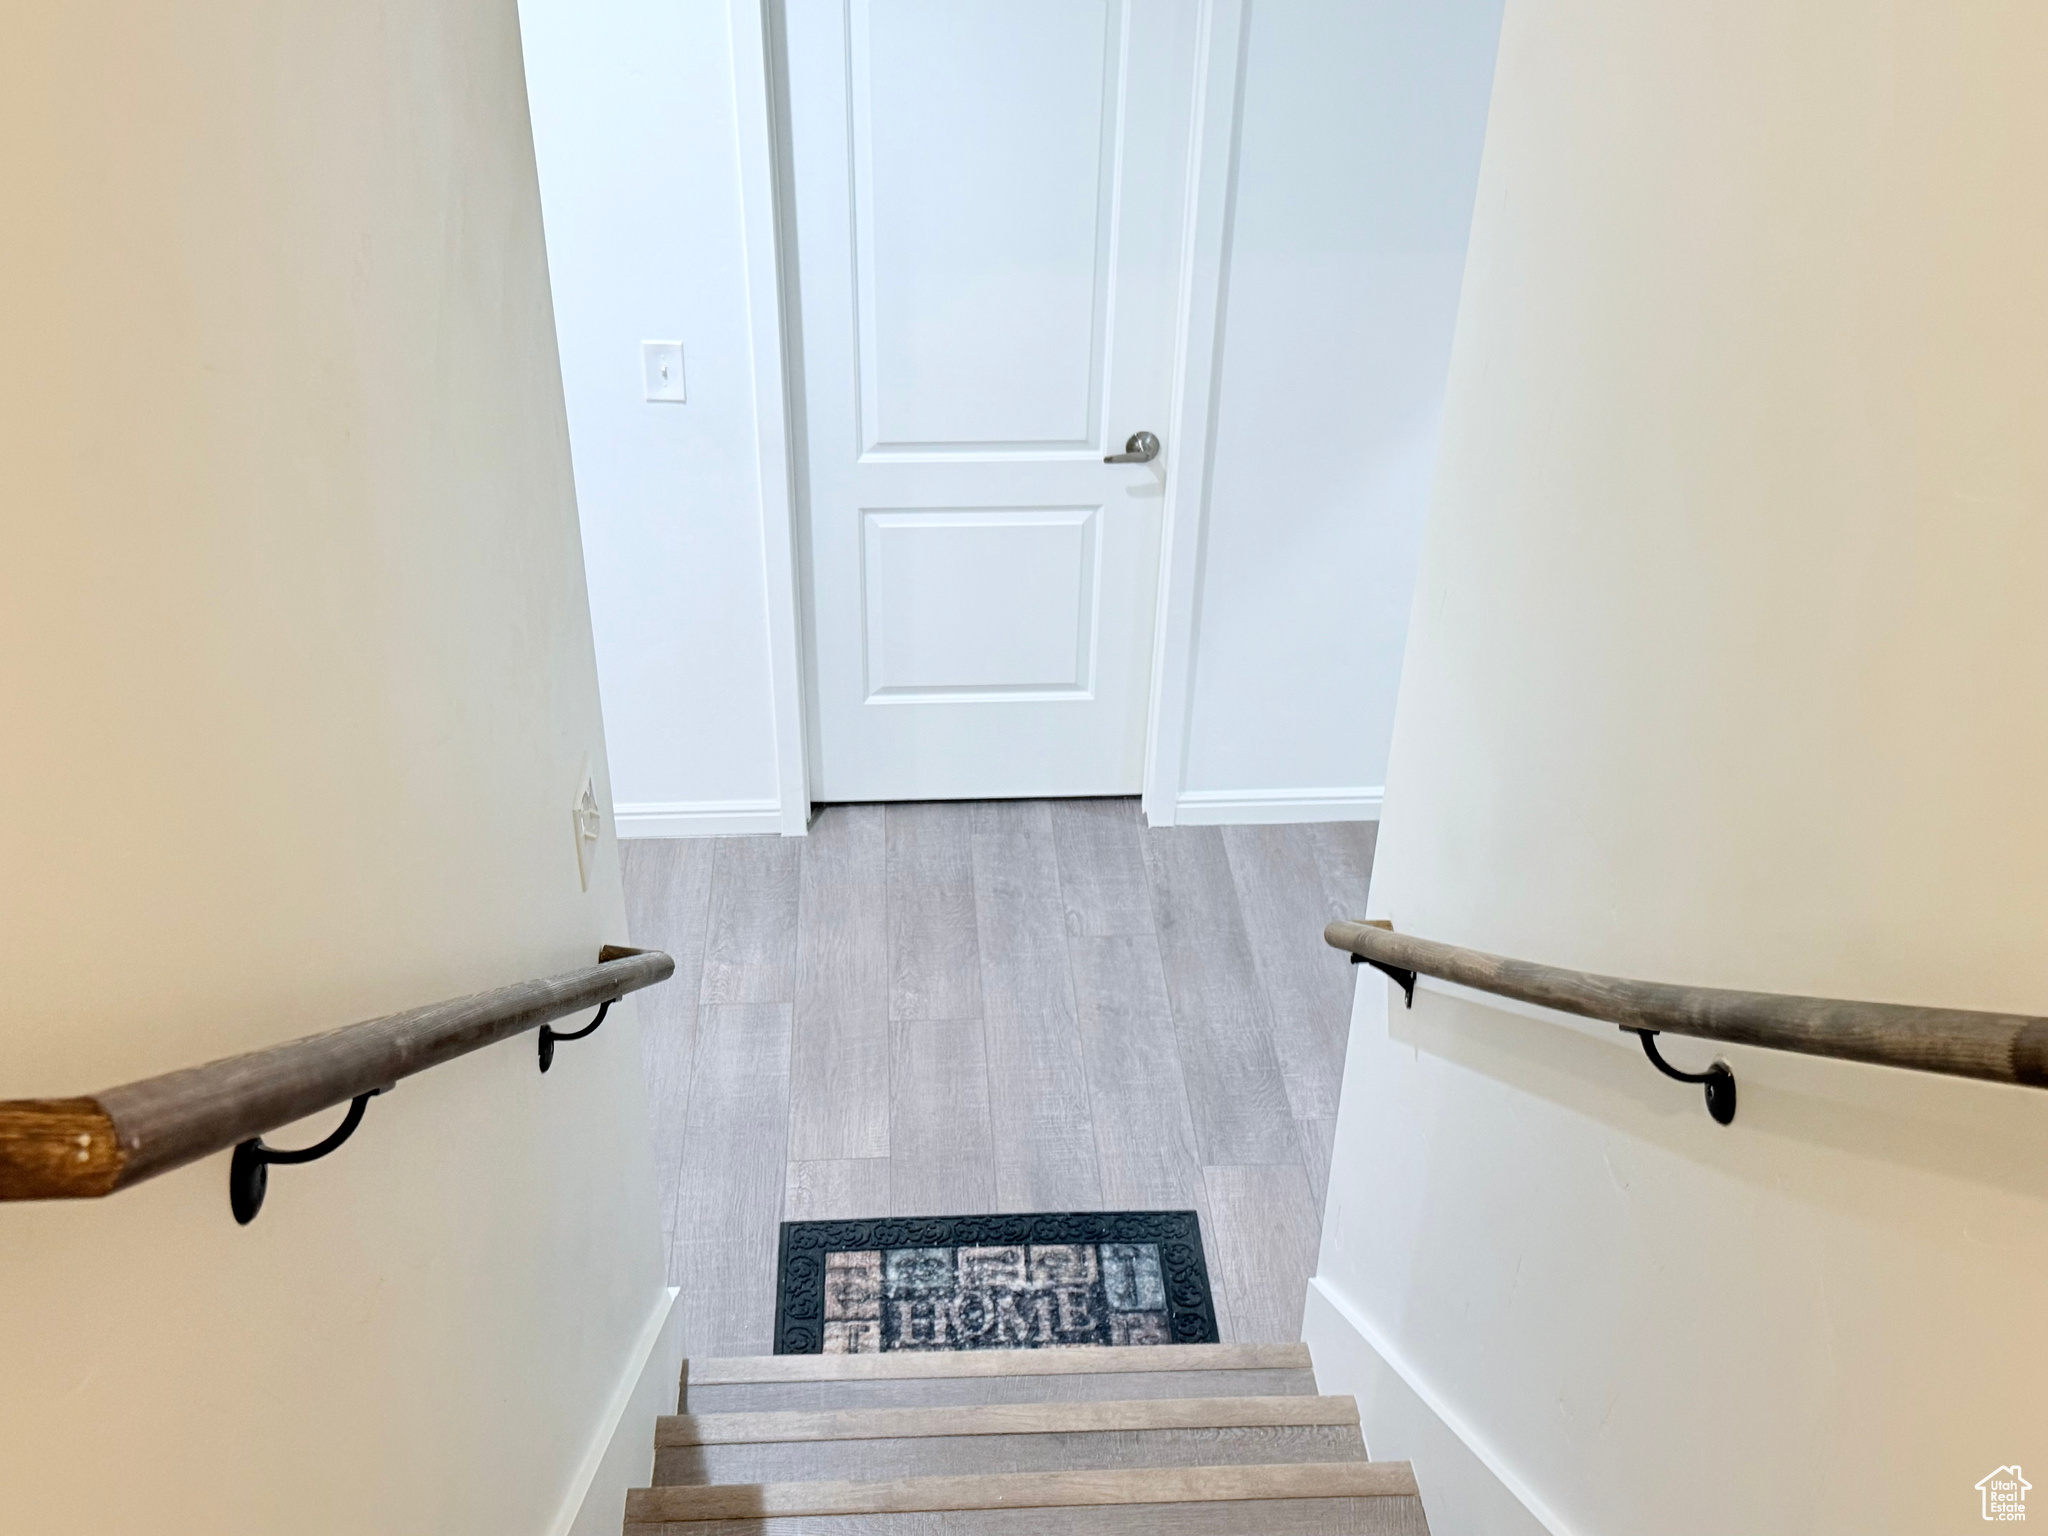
(946, 1392)
(966, 1455)
(1245, 1517)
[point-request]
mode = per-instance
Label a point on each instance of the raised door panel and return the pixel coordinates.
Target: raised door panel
(984, 142)
(981, 604)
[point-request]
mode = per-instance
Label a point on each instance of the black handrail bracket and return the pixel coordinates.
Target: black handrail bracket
(249, 1170)
(549, 1036)
(1718, 1079)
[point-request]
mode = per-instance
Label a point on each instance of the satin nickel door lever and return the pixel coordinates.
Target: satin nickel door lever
(1140, 448)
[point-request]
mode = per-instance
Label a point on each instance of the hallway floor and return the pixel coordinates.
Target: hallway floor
(930, 1009)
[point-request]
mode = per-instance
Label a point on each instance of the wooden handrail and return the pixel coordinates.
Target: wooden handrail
(72, 1149)
(1997, 1047)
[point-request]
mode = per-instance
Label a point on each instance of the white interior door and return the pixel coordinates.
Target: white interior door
(988, 206)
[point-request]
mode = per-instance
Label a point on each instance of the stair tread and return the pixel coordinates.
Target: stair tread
(1131, 1359)
(1087, 1450)
(1022, 1490)
(977, 1391)
(1002, 1419)
(1239, 1517)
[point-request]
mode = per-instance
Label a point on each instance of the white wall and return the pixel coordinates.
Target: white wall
(1726, 668)
(297, 683)
(638, 144)
(1358, 150)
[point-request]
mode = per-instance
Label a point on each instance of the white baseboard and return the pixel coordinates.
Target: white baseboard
(1468, 1489)
(621, 1452)
(1194, 808)
(1246, 807)
(696, 818)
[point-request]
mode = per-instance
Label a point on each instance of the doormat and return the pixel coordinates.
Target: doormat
(1083, 1278)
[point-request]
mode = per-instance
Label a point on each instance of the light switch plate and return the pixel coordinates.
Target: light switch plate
(662, 362)
(589, 819)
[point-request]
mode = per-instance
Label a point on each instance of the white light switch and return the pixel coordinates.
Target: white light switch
(662, 361)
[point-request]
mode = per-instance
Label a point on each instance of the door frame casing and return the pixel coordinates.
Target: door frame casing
(766, 198)
(753, 27)
(1198, 344)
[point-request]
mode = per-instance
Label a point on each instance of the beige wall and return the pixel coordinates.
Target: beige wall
(295, 687)
(1729, 665)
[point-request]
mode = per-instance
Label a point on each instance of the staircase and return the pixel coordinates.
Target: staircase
(1187, 1440)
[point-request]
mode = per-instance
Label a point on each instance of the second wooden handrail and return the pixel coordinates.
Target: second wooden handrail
(1996, 1047)
(71, 1149)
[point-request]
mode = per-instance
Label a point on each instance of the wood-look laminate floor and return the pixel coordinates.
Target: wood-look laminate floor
(1025, 1005)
